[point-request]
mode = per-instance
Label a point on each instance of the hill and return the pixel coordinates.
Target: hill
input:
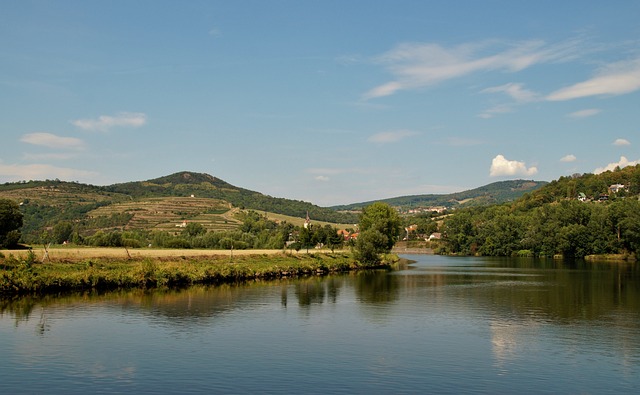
(576, 216)
(158, 204)
(495, 193)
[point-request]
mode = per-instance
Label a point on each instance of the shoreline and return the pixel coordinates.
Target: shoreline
(86, 271)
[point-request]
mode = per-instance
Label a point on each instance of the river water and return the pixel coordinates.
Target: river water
(440, 325)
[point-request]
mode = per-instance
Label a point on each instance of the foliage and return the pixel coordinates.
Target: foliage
(546, 222)
(379, 229)
(10, 223)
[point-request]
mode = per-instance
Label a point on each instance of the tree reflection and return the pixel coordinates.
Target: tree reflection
(376, 287)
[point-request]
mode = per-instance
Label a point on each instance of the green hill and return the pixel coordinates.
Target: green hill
(158, 204)
(495, 193)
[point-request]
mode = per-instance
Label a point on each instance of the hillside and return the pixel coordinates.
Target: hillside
(201, 185)
(495, 193)
(576, 216)
(159, 204)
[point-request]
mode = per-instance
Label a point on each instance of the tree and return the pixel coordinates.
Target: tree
(380, 226)
(194, 229)
(335, 240)
(61, 231)
(10, 223)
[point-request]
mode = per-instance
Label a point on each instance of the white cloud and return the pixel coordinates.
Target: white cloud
(42, 172)
(623, 162)
(48, 156)
(515, 91)
(621, 142)
(584, 113)
(322, 178)
(568, 158)
(500, 166)
(106, 122)
(492, 112)
(52, 141)
(615, 79)
(417, 65)
(391, 136)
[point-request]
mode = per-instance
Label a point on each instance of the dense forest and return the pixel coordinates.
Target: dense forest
(574, 216)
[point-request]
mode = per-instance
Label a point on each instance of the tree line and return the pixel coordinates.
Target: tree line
(569, 227)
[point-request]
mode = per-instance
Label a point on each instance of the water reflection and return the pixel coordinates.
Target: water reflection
(497, 322)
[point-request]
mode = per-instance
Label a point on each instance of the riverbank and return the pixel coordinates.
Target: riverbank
(25, 272)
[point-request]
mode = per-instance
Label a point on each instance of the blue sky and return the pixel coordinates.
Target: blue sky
(331, 102)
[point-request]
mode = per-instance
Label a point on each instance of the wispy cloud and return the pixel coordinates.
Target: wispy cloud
(568, 158)
(43, 171)
(501, 166)
(514, 90)
(391, 136)
(496, 110)
(615, 79)
(420, 65)
(623, 162)
(621, 142)
(53, 141)
(584, 113)
(322, 178)
(49, 156)
(106, 122)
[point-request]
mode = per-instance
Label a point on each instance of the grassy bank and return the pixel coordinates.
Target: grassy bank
(27, 275)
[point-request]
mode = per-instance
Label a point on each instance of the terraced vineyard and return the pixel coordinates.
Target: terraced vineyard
(170, 214)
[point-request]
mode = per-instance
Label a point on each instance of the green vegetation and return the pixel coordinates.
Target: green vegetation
(553, 221)
(379, 230)
(10, 223)
(155, 205)
(26, 276)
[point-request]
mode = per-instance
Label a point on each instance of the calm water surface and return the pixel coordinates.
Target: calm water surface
(442, 325)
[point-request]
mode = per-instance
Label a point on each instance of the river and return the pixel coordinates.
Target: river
(439, 325)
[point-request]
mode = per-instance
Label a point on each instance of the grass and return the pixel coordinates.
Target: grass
(24, 274)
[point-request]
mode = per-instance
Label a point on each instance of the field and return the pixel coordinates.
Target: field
(79, 253)
(169, 214)
(89, 269)
(300, 221)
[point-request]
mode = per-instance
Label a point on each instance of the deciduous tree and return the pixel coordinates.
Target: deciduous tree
(10, 223)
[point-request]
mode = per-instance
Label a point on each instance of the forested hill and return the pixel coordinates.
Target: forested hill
(576, 216)
(497, 192)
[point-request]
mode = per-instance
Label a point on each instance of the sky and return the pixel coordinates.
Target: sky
(330, 102)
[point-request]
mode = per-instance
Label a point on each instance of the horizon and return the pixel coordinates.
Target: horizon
(330, 103)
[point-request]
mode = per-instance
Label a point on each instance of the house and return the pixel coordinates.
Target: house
(582, 197)
(615, 188)
(435, 236)
(346, 235)
(409, 230)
